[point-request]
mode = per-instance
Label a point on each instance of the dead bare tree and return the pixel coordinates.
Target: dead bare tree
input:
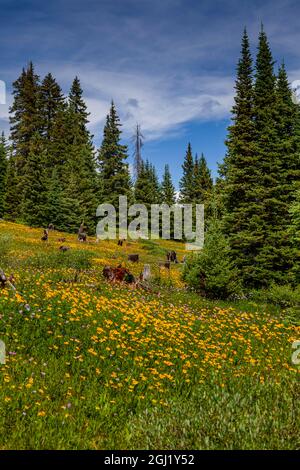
(138, 139)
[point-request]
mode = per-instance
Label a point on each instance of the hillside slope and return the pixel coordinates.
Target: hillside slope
(97, 365)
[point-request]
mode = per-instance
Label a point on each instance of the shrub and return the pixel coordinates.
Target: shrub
(211, 272)
(283, 296)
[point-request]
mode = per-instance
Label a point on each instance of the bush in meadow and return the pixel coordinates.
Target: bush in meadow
(211, 272)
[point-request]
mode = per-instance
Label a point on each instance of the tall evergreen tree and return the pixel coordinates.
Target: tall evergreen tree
(25, 121)
(55, 209)
(112, 158)
(274, 258)
(78, 110)
(187, 180)
(168, 192)
(284, 179)
(260, 169)
(146, 189)
(51, 103)
(240, 172)
(79, 169)
(294, 236)
(168, 195)
(25, 113)
(34, 203)
(3, 171)
(203, 182)
(12, 196)
(294, 228)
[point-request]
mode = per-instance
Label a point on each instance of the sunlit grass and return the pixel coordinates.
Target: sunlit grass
(98, 365)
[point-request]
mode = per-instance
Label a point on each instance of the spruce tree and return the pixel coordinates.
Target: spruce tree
(273, 144)
(3, 171)
(294, 228)
(154, 183)
(212, 272)
(168, 195)
(73, 207)
(112, 158)
(203, 182)
(278, 253)
(79, 159)
(54, 211)
(78, 109)
(187, 181)
(34, 203)
(260, 170)
(62, 210)
(240, 173)
(147, 189)
(168, 192)
(51, 102)
(294, 236)
(25, 121)
(12, 196)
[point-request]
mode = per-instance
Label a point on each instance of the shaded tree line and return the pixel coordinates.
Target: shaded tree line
(253, 240)
(51, 172)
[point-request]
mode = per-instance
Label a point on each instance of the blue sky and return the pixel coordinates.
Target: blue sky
(168, 64)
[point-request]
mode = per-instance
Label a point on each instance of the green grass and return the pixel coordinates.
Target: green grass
(93, 365)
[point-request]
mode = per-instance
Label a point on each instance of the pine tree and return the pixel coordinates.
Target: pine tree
(25, 113)
(168, 192)
(63, 211)
(273, 139)
(294, 236)
(73, 206)
(34, 203)
(294, 228)
(51, 102)
(203, 182)
(54, 211)
(25, 122)
(154, 183)
(12, 196)
(212, 272)
(187, 180)
(168, 196)
(81, 172)
(240, 173)
(278, 253)
(3, 171)
(260, 169)
(55, 125)
(147, 189)
(78, 107)
(112, 158)
(79, 159)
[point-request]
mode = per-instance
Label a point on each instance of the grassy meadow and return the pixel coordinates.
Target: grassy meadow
(95, 365)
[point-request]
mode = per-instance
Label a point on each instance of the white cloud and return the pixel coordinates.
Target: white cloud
(161, 104)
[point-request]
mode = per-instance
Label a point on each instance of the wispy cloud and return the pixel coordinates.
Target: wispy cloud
(161, 104)
(165, 63)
